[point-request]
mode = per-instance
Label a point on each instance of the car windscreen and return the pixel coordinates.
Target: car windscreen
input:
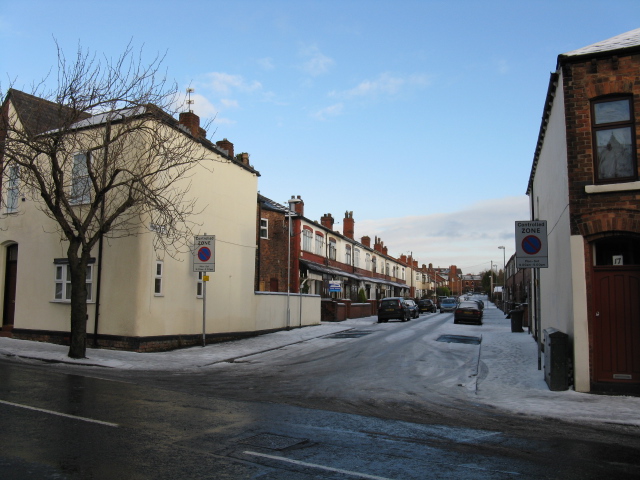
(448, 302)
(389, 303)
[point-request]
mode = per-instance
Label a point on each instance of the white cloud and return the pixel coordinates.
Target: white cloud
(226, 83)
(468, 238)
(385, 84)
(331, 111)
(266, 63)
(226, 103)
(316, 62)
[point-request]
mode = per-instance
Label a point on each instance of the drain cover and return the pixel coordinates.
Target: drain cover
(349, 334)
(459, 339)
(272, 442)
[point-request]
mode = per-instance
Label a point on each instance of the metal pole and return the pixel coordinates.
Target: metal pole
(289, 268)
(204, 309)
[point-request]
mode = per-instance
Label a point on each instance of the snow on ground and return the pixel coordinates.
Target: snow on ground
(508, 375)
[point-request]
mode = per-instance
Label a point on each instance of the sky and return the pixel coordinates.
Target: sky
(420, 117)
(509, 378)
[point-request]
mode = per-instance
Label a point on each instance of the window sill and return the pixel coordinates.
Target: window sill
(613, 187)
(68, 302)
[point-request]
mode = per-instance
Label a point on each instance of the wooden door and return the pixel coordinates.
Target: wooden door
(616, 321)
(10, 281)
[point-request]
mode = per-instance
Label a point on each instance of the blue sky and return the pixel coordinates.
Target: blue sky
(421, 117)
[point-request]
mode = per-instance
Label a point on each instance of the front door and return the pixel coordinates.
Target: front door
(616, 321)
(10, 280)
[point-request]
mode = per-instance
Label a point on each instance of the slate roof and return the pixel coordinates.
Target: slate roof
(39, 115)
(619, 42)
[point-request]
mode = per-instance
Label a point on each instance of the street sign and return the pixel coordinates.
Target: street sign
(204, 253)
(531, 244)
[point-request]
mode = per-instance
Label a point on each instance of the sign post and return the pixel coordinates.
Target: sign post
(204, 260)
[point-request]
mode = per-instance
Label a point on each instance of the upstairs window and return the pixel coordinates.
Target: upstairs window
(80, 181)
(356, 257)
(158, 278)
(319, 244)
(347, 255)
(307, 240)
(264, 228)
(13, 192)
(333, 249)
(614, 140)
(367, 261)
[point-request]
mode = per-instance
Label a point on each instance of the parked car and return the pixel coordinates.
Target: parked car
(448, 305)
(468, 312)
(393, 308)
(426, 306)
(413, 308)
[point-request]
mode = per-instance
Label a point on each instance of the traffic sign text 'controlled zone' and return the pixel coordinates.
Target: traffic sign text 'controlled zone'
(531, 244)
(204, 253)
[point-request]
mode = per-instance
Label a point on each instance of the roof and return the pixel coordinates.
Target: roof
(619, 42)
(38, 115)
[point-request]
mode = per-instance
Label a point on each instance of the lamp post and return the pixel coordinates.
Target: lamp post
(292, 201)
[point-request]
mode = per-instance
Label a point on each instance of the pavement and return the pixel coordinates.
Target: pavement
(507, 378)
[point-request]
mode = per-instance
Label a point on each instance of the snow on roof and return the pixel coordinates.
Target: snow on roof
(624, 40)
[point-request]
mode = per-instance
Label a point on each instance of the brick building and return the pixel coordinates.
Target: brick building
(584, 182)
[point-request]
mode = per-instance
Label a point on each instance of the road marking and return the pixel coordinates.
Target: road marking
(74, 417)
(315, 465)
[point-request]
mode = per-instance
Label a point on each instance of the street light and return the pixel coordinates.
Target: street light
(292, 201)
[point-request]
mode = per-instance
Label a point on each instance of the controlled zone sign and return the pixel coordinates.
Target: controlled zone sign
(204, 253)
(531, 244)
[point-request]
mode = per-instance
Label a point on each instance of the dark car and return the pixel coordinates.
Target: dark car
(393, 308)
(468, 312)
(448, 305)
(413, 308)
(426, 306)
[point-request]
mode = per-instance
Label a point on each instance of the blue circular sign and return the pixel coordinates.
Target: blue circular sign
(531, 244)
(204, 254)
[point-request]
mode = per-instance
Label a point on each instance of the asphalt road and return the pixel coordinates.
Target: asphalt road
(347, 406)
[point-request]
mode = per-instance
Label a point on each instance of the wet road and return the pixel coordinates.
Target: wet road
(57, 425)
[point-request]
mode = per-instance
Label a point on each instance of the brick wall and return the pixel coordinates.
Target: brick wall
(271, 255)
(593, 214)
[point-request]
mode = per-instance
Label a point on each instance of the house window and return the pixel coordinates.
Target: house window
(403, 275)
(347, 255)
(367, 261)
(356, 258)
(12, 189)
(332, 249)
(374, 267)
(307, 240)
(199, 286)
(387, 269)
(614, 140)
(80, 181)
(158, 277)
(319, 244)
(264, 228)
(63, 282)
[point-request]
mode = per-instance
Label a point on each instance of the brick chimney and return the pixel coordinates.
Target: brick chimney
(226, 145)
(327, 221)
(385, 250)
(348, 225)
(244, 158)
(403, 259)
(366, 241)
(192, 122)
(377, 245)
(299, 207)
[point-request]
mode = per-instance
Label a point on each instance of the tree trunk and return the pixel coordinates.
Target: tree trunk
(78, 270)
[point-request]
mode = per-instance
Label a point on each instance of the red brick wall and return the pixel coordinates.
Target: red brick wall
(592, 214)
(271, 256)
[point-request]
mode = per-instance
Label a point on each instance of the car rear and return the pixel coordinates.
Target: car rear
(392, 308)
(468, 312)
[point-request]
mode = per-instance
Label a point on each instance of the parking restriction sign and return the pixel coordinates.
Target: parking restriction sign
(204, 248)
(531, 244)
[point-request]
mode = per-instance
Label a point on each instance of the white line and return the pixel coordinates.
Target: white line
(314, 465)
(60, 414)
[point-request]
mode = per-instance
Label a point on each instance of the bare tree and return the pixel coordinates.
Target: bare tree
(102, 155)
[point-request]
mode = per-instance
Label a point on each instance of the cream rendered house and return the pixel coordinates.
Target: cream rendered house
(147, 300)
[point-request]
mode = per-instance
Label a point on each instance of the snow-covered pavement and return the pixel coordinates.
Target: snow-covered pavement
(508, 377)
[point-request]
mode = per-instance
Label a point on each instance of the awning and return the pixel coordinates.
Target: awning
(316, 267)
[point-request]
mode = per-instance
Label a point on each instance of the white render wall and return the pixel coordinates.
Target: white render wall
(562, 285)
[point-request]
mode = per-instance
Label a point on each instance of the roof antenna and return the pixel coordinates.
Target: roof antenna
(189, 101)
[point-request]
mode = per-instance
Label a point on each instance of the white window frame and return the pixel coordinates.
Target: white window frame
(13, 191)
(333, 249)
(158, 279)
(80, 182)
(367, 261)
(307, 240)
(62, 283)
(319, 244)
(347, 254)
(356, 257)
(264, 228)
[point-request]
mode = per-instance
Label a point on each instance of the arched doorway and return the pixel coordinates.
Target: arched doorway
(615, 316)
(10, 282)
